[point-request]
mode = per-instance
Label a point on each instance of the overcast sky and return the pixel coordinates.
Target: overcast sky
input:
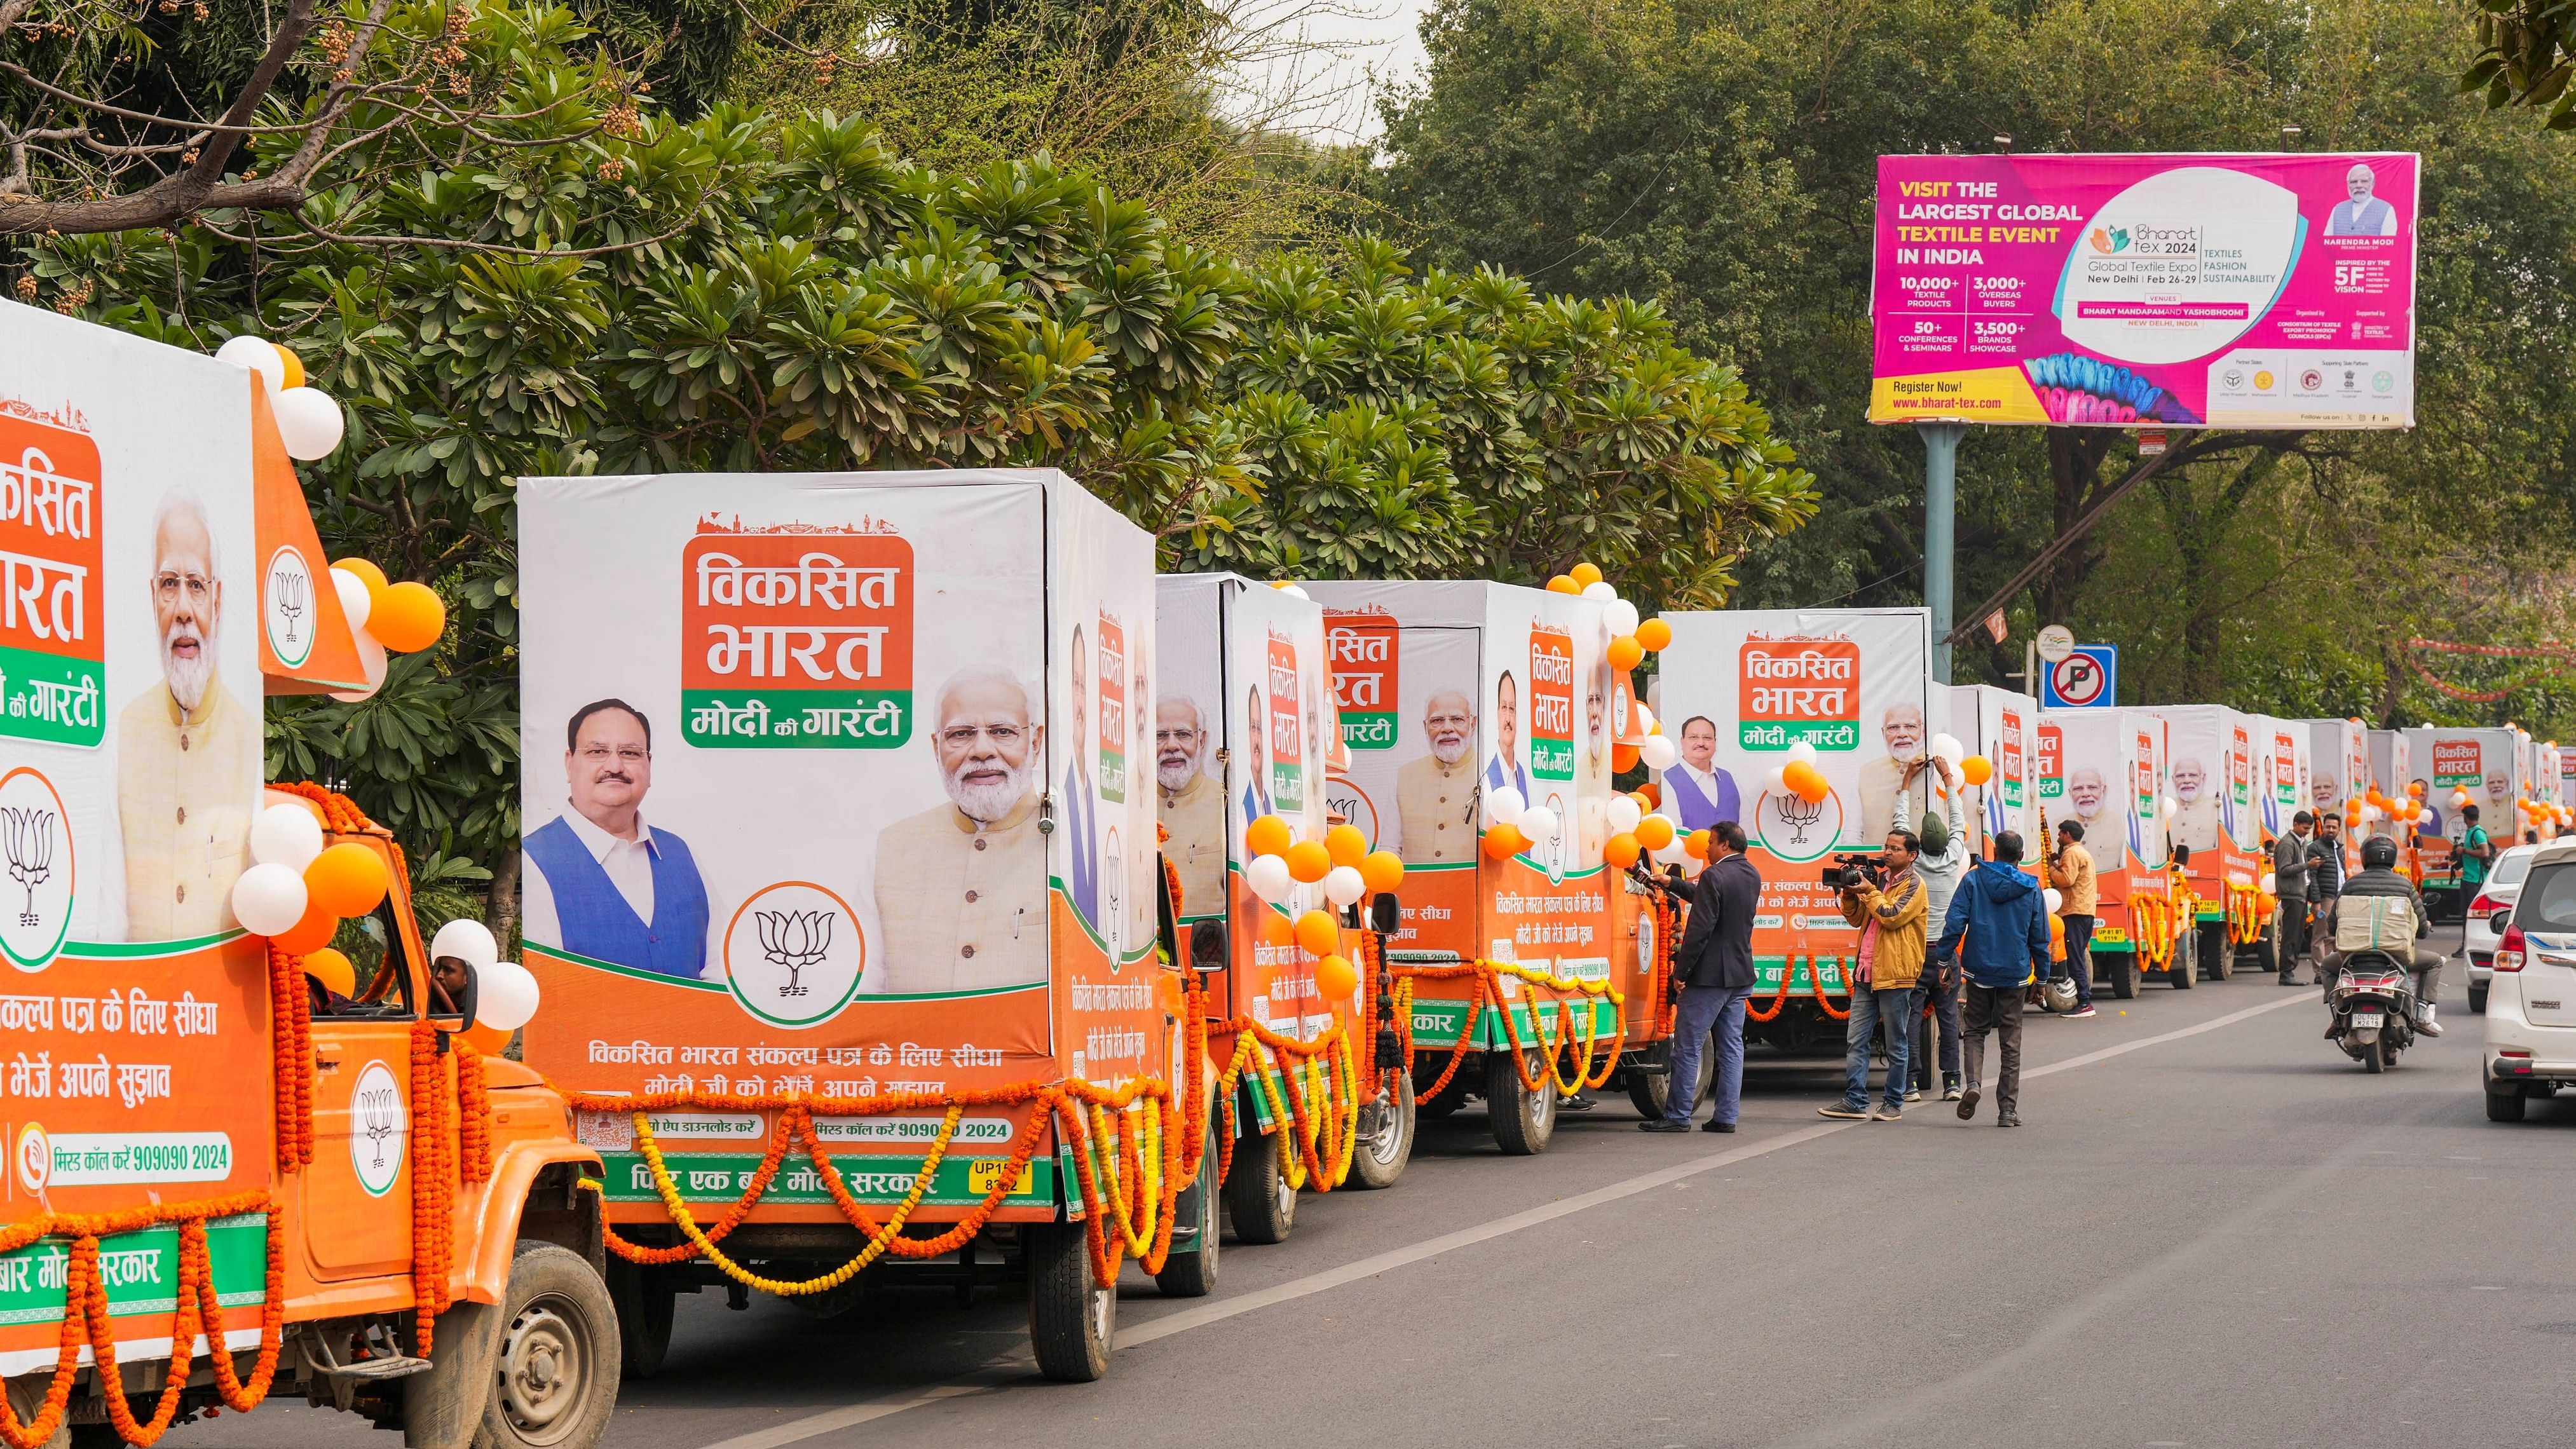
(1358, 41)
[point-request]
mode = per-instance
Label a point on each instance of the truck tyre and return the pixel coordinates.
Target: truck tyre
(1071, 1319)
(554, 1378)
(2217, 953)
(1378, 1158)
(2123, 972)
(1258, 1199)
(1522, 1120)
(2263, 957)
(2504, 1106)
(646, 1304)
(1192, 1273)
(27, 1397)
(1653, 1096)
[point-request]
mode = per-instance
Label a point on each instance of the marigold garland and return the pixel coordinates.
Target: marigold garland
(433, 1186)
(1487, 977)
(290, 1035)
(473, 1114)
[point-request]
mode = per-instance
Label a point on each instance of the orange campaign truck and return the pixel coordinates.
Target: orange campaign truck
(2105, 768)
(2211, 776)
(1246, 729)
(1484, 726)
(845, 884)
(229, 1178)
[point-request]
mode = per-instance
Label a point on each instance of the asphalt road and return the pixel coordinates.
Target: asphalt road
(2214, 1230)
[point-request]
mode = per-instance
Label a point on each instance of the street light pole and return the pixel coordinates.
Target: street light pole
(1940, 532)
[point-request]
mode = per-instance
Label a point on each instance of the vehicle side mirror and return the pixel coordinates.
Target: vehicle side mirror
(1386, 917)
(2499, 921)
(1208, 946)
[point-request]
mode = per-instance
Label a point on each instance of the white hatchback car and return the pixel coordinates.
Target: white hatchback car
(2480, 932)
(2531, 996)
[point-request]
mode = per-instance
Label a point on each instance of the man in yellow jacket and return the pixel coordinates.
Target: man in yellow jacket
(1890, 914)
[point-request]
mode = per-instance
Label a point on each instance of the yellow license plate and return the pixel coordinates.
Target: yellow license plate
(983, 1172)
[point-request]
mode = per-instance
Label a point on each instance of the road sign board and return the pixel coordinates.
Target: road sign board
(2089, 678)
(2056, 642)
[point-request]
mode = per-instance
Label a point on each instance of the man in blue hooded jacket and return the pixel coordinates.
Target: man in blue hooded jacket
(1999, 912)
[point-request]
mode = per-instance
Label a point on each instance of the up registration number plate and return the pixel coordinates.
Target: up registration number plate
(2367, 1018)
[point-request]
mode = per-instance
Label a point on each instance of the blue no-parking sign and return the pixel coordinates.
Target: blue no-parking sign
(2089, 678)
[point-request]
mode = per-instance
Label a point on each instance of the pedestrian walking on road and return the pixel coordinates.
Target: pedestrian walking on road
(1940, 867)
(2290, 887)
(1890, 916)
(2072, 873)
(2004, 922)
(1715, 962)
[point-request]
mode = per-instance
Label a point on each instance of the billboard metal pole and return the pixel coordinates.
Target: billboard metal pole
(1940, 532)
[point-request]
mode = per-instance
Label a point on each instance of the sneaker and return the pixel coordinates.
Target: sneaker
(2080, 1013)
(2427, 1025)
(1842, 1112)
(2008, 1118)
(1950, 1090)
(1968, 1103)
(1663, 1124)
(1713, 1125)
(1888, 1114)
(1579, 1102)
(1914, 1094)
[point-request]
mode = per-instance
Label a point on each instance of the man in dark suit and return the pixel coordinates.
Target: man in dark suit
(1715, 968)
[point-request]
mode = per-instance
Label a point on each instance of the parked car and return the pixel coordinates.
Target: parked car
(2531, 1003)
(2479, 935)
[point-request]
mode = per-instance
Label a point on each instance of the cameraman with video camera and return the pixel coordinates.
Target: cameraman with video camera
(1884, 898)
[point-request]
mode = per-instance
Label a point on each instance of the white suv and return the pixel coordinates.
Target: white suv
(2531, 995)
(2479, 934)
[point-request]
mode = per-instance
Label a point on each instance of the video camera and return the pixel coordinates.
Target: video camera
(1851, 872)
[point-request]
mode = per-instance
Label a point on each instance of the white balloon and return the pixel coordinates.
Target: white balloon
(1295, 592)
(1600, 592)
(1538, 823)
(1659, 751)
(468, 940)
(1672, 852)
(269, 899)
(1269, 878)
(2169, 806)
(1777, 782)
(309, 423)
(1620, 617)
(1645, 719)
(1947, 747)
(1504, 805)
(2369, 814)
(2268, 882)
(2053, 899)
(505, 995)
(1802, 750)
(286, 835)
(1343, 885)
(371, 657)
(258, 355)
(355, 602)
(1623, 815)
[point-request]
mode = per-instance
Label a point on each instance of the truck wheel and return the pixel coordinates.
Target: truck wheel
(646, 1304)
(1071, 1318)
(2263, 952)
(27, 1398)
(1191, 1272)
(1522, 1120)
(2217, 953)
(2124, 978)
(1258, 1199)
(554, 1381)
(1379, 1156)
(2505, 1106)
(1653, 1096)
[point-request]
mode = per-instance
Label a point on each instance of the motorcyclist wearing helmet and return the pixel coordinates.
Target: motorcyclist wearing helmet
(2378, 877)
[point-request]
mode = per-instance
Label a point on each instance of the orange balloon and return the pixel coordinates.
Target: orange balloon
(1502, 842)
(1649, 794)
(1268, 835)
(1584, 575)
(346, 880)
(1654, 634)
(1335, 978)
(491, 1041)
(294, 366)
(372, 575)
(1626, 652)
(1309, 861)
(408, 618)
(308, 935)
(2415, 788)
(1654, 832)
(1805, 781)
(1622, 850)
(1346, 844)
(1623, 758)
(1318, 934)
(1382, 871)
(1563, 584)
(333, 970)
(2376, 798)
(1697, 845)
(1976, 769)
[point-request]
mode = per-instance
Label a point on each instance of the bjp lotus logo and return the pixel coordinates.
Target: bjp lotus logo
(2108, 240)
(795, 940)
(793, 954)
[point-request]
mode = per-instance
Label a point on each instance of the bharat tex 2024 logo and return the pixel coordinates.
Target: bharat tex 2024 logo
(796, 638)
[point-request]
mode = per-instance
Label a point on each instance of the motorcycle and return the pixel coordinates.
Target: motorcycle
(2374, 1010)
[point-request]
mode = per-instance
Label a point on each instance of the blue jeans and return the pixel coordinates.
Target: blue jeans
(1867, 1007)
(1702, 1009)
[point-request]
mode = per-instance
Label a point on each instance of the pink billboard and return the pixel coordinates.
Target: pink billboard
(2187, 291)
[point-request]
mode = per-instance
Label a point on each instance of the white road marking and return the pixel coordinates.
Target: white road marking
(1002, 1372)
